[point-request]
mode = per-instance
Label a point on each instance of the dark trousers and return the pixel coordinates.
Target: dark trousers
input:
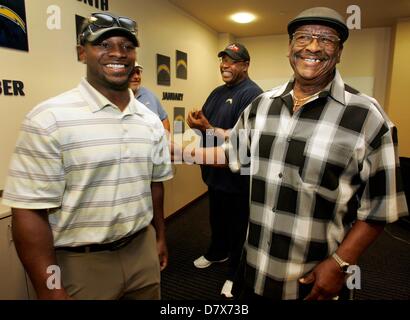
(228, 217)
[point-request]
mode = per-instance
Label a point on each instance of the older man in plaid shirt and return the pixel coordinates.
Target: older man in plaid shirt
(323, 169)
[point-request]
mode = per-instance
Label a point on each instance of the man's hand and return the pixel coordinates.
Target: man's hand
(197, 120)
(184, 153)
(54, 294)
(327, 279)
(162, 254)
(157, 193)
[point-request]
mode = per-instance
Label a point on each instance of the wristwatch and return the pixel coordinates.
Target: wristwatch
(342, 264)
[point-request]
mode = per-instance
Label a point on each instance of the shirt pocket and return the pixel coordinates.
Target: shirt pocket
(324, 164)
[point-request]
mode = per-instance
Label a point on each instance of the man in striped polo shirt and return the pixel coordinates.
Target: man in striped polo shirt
(85, 181)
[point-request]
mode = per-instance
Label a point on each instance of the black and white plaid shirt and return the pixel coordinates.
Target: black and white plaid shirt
(313, 173)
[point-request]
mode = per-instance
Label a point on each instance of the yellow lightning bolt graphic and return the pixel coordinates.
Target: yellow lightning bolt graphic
(181, 63)
(163, 67)
(12, 16)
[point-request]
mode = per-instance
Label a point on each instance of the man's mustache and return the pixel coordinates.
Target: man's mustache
(311, 56)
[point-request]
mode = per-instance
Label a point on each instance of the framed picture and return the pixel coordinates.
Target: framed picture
(179, 120)
(181, 65)
(163, 70)
(13, 25)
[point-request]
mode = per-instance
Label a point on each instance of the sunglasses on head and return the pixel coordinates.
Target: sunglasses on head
(106, 20)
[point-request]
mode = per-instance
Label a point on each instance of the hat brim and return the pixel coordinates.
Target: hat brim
(233, 55)
(106, 32)
(332, 23)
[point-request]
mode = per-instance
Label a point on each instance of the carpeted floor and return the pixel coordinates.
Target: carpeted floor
(385, 267)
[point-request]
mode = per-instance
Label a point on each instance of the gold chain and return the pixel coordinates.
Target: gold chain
(298, 102)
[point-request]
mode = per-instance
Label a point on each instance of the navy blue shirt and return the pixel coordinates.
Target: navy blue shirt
(223, 108)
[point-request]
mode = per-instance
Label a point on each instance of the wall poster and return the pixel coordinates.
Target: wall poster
(13, 25)
(179, 120)
(163, 70)
(182, 65)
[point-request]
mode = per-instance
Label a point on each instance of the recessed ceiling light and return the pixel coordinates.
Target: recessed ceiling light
(243, 17)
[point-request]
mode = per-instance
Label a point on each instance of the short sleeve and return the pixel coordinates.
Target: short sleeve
(383, 198)
(162, 114)
(162, 168)
(234, 146)
(36, 176)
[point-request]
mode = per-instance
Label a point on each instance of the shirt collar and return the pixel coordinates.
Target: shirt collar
(284, 89)
(139, 93)
(335, 89)
(135, 106)
(98, 101)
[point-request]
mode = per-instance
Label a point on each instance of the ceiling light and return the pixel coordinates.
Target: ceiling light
(243, 17)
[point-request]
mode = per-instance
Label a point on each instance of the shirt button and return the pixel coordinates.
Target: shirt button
(280, 175)
(289, 139)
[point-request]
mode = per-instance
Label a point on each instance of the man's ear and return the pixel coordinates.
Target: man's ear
(339, 54)
(246, 66)
(81, 54)
(289, 50)
(289, 47)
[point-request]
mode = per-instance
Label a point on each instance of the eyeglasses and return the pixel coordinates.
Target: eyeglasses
(301, 38)
(104, 20)
(228, 61)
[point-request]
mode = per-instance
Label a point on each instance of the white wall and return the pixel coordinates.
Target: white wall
(398, 101)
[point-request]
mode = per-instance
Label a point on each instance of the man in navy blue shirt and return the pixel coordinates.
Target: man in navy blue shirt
(228, 192)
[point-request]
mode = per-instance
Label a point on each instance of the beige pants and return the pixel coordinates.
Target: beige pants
(131, 273)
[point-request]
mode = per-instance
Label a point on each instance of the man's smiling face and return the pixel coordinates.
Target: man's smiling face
(314, 63)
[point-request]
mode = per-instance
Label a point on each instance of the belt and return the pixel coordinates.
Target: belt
(95, 247)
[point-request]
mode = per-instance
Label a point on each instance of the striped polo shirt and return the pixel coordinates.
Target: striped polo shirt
(90, 164)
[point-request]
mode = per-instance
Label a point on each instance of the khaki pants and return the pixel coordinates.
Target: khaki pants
(131, 273)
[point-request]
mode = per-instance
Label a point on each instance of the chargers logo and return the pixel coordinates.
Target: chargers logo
(163, 70)
(163, 67)
(233, 47)
(182, 64)
(13, 25)
(12, 16)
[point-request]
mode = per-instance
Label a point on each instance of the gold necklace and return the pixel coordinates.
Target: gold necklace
(298, 102)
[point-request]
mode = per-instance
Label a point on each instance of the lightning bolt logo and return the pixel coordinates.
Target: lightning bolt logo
(12, 16)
